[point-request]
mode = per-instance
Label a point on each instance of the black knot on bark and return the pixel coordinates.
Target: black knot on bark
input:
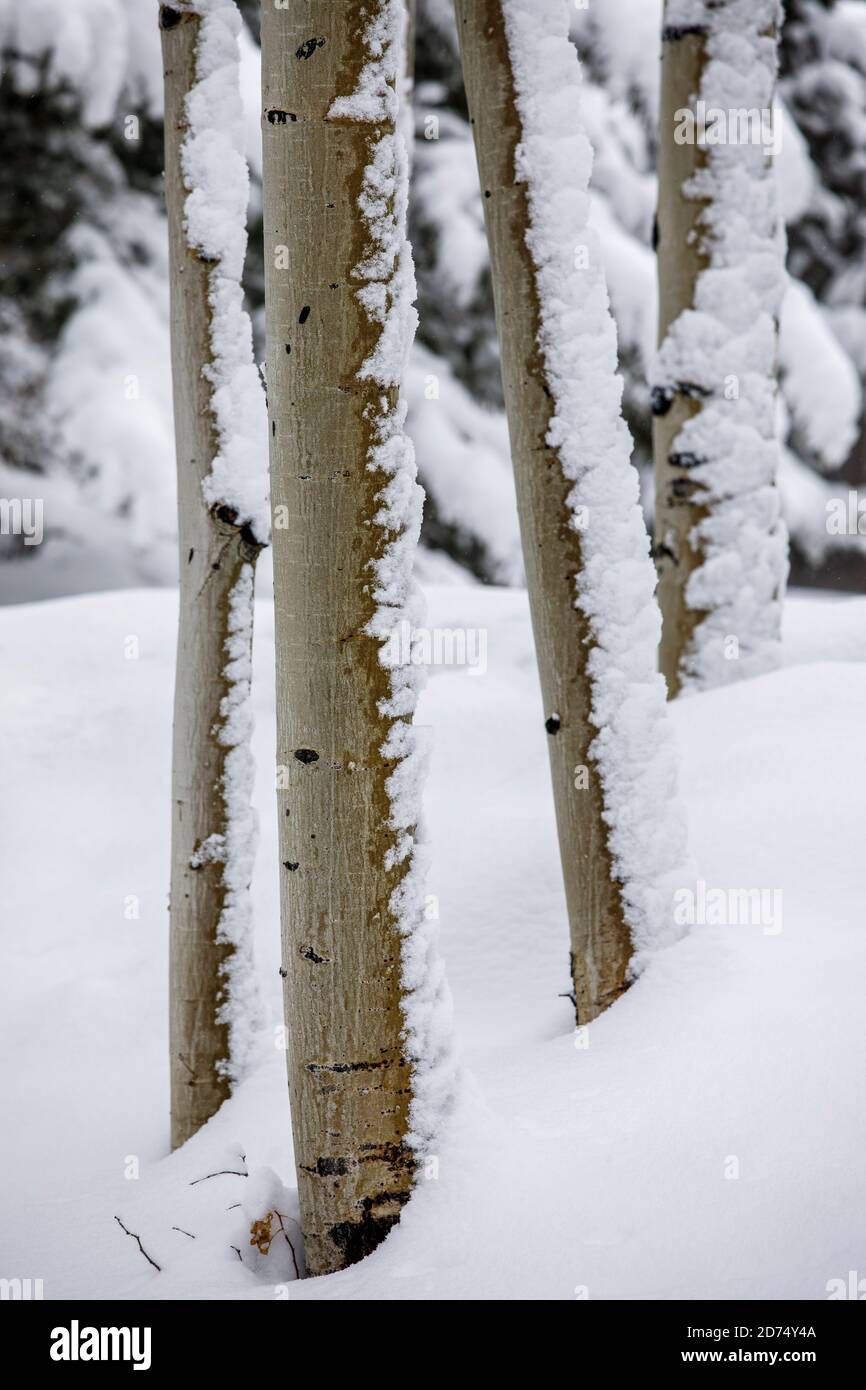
(553, 724)
(306, 755)
(308, 48)
(357, 1239)
(310, 953)
(664, 552)
(661, 399)
(327, 1167)
(684, 459)
(683, 489)
(169, 17)
(249, 541)
(672, 33)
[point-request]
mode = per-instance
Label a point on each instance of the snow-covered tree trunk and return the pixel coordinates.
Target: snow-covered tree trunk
(589, 571)
(720, 545)
(365, 1004)
(220, 428)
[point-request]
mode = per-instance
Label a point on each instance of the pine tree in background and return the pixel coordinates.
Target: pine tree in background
(85, 391)
(364, 1003)
(85, 416)
(823, 57)
(720, 544)
(221, 437)
(447, 219)
(823, 81)
(589, 573)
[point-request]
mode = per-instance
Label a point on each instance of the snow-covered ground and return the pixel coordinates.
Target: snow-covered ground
(707, 1142)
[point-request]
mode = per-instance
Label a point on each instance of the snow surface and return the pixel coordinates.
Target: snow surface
(565, 1167)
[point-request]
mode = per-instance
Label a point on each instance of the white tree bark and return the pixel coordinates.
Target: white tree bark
(680, 260)
(209, 947)
(358, 993)
(580, 695)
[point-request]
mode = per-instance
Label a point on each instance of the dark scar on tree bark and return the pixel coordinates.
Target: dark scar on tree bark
(308, 48)
(309, 954)
(661, 399)
(330, 1167)
(664, 552)
(686, 459)
(342, 1067)
(683, 489)
(357, 1239)
(673, 32)
(229, 517)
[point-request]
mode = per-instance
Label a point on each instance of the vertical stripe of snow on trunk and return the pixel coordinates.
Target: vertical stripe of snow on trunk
(216, 175)
(633, 748)
(386, 291)
(725, 348)
(215, 172)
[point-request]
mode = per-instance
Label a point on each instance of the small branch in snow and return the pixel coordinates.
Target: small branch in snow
(137, 1240)
(279, 1217)
(221, 1173)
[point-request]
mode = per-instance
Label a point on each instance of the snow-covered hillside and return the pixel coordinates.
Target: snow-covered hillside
(699, 1140)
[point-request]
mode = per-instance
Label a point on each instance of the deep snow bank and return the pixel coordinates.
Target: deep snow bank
(570, 1167)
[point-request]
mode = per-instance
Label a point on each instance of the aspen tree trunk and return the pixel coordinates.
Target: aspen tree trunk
(719, 543)
(341, 867)
(600, 939)
(214, 553)
(411, 22)
(680, 260)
